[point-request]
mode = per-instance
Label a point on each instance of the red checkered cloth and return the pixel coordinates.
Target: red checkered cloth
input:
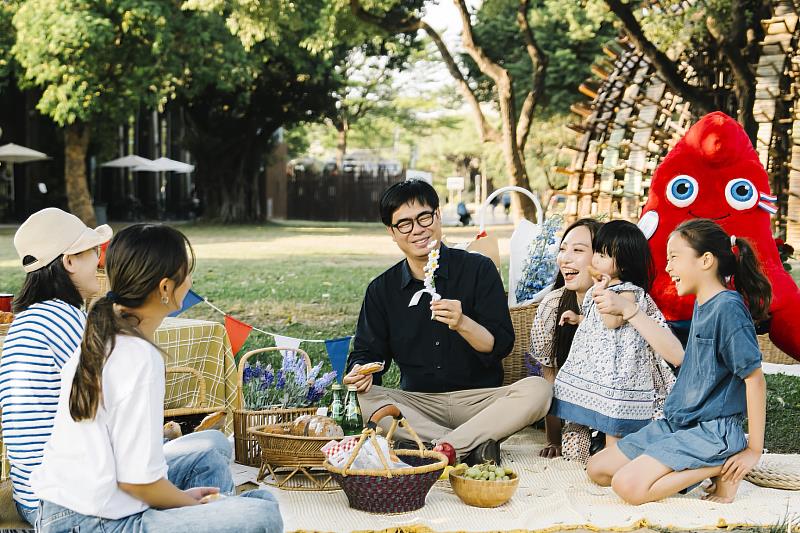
(334, 448)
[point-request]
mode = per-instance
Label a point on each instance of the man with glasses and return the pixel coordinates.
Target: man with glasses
(449, 351)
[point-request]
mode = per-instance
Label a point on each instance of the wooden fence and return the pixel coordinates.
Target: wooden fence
(340, 196)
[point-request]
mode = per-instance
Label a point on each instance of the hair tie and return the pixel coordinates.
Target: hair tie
(733, 241)
(112, 296)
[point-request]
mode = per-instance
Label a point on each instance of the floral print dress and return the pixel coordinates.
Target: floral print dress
(612, 380)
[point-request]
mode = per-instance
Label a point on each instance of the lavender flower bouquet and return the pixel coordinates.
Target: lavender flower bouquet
(289, 386)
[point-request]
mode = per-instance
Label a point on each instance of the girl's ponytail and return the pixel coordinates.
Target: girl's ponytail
(103, 324)
(750, 281)
(98, 341)
(742, 268)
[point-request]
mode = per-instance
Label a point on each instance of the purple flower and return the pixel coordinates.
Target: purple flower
(533, 365)
(267, 379)
(280, 379)
(249, 373)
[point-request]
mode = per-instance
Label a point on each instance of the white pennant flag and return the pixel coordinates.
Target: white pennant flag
(286, 342)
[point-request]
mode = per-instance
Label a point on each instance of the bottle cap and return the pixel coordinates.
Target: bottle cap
(352, 388)
(336, 386)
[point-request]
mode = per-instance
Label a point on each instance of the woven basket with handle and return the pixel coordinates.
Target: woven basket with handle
(514, 368)
(246, 447)
(389, 491)
(190, 415)
(772, 354)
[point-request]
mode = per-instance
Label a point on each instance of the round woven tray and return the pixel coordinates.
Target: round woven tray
(777, 472)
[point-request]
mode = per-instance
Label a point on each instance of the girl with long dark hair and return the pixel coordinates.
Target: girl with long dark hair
(104, 466)
(719, 383)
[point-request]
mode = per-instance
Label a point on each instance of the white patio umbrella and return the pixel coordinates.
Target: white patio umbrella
(127, 161)
(14, 153)
(164, 164)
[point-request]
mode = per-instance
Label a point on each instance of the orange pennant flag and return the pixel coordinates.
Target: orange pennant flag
(238, 332)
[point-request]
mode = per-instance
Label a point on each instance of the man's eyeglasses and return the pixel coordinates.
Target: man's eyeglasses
(406, 225)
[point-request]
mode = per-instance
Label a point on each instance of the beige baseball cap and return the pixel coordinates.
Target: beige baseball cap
(52, 232)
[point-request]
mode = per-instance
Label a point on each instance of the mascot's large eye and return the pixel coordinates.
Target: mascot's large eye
(682, 190)
(741, 194)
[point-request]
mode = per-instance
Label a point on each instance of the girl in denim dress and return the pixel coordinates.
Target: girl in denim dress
(719, 383)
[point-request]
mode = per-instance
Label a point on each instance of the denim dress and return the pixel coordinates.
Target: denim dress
(704, 413)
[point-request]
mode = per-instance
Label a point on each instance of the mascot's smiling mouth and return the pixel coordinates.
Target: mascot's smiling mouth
(711, 218)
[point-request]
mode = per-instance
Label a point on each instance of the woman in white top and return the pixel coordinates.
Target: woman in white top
(104, 467)
(59, 254)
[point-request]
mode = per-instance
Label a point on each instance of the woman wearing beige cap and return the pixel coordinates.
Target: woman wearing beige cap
(60, 255)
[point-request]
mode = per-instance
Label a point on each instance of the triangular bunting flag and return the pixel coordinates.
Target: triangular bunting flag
(238, 332)
(286, 342)
(192, 299)
(337, 354)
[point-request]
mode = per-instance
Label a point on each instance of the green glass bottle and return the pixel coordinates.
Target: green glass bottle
(336, 410)
(353, 423)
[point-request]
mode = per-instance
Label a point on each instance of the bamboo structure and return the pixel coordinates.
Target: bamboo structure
(631, 119)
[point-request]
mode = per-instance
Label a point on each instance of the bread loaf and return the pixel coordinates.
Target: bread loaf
(316, 426)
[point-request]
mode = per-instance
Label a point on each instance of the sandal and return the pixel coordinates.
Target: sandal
(556, 448)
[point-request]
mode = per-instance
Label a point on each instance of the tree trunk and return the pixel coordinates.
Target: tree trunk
(515, 164)
(342, 129)
(79, 201)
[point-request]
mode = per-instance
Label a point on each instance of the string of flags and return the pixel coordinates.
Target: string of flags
(239, 331)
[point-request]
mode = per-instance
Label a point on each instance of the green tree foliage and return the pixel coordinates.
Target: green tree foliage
(571, 33)
(7, 37)
(93, 60)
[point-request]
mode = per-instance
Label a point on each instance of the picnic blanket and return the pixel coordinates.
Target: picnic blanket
(552, 495)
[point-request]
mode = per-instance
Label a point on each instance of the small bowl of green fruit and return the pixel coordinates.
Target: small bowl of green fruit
(484, 485)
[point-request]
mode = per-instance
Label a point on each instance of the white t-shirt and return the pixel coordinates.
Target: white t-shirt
(84, 461)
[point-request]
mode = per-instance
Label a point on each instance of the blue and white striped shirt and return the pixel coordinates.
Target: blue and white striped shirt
(39, 342)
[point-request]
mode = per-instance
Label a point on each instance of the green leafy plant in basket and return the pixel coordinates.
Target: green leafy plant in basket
(292, 385)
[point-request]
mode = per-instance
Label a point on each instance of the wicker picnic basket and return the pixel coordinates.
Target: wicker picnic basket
(776, 472)
(189, 416)
(514, 367)
(389, 491)
(294, 462)
(246, 446)
(772, 354)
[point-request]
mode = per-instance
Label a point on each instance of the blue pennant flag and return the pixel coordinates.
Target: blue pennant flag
(192, 299)
(337, 354)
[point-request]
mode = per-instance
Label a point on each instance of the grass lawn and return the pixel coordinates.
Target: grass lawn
(307, 280)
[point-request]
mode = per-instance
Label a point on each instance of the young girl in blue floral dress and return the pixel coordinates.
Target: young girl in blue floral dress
(720, 379)
(612, 381)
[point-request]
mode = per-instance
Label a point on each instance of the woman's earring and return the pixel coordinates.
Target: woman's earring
(165, 300)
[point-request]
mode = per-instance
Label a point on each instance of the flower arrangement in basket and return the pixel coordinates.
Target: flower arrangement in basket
(539, 269)
(269, 397)
(292, 385)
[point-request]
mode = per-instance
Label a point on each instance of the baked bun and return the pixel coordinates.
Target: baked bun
(316, 426)
(370, 368)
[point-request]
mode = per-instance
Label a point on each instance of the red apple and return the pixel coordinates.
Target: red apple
(447, 449)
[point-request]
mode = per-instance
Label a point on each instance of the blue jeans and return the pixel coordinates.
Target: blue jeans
(199, 459)
(255, 511)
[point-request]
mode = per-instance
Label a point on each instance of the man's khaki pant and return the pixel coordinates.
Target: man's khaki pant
(464, 418)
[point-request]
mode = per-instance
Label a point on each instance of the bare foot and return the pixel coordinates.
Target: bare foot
(721, 491)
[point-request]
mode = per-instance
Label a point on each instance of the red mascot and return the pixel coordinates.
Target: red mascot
(714, 172)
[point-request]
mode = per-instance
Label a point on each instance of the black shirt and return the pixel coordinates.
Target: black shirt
(431, 356)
